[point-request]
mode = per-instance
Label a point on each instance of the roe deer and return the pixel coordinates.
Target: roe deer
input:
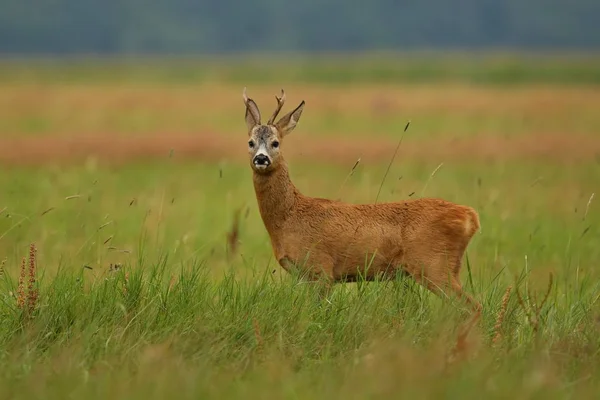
(425, 238)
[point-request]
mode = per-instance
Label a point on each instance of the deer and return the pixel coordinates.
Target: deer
(332, 241)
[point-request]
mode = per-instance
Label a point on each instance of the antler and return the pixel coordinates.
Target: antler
(280, 101)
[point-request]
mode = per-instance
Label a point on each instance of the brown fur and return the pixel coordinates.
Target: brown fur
(425, 238)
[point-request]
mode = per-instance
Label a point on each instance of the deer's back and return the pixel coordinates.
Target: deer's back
(351, 233)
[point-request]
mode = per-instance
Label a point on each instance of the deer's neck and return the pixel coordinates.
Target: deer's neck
(276, 196)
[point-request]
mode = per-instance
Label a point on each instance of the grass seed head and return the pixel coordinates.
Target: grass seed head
(31, 287)
(21, 298)
(501, 314)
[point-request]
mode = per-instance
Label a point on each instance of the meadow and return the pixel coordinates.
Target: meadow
(135, 263)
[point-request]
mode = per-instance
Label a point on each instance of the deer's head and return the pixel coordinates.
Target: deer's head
(264, 141)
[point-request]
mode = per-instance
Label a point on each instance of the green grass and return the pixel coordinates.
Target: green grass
(181, 317)
(140, 337)
(342, 69)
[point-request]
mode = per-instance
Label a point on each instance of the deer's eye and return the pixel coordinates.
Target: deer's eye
(251, 144)
(275, 144)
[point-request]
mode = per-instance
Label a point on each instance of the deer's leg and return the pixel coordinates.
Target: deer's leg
(321, 274)
(467, 298)
(325, 287)
(442, 286)
(440, 281)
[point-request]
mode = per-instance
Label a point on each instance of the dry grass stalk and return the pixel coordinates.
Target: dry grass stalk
(532, 308)
(21, 298)
(114, 267)
(27, 297)
(234, 234)
(2, 264)
(587, 207)
(257, 335)
(31, 287)
(126, 283)
(347, 177)
(172, 282)
(47, 211)
(501, 314)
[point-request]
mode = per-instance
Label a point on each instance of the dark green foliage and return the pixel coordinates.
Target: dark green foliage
(186, 26)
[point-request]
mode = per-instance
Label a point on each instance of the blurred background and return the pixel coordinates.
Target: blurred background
(127, 115)
(67, 27)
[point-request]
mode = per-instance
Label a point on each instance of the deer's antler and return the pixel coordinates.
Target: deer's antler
(280, 101)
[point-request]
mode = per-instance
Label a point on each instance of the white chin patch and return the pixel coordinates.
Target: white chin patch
(260, 166)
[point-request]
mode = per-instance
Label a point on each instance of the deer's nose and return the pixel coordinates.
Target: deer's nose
(261, 159)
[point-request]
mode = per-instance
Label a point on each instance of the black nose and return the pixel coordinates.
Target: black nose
(261, 159)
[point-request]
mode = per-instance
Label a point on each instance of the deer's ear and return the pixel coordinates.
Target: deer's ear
(252, 115)
(252, 112)
(288, 122)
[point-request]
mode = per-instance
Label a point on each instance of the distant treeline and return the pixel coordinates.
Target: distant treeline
(226, 26)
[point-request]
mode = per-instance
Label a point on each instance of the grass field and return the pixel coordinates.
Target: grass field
(151, 174)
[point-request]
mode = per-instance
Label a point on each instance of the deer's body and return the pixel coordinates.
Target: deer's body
(425, 238)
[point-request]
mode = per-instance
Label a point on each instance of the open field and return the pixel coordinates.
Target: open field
(151, 174)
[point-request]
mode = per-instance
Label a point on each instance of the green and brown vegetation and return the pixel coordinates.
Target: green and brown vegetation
(134, 263)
